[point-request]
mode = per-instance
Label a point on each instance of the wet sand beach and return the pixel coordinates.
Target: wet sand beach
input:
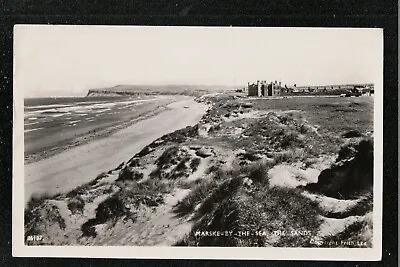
(80, 164)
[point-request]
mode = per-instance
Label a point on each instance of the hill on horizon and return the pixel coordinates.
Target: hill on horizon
(161, 89)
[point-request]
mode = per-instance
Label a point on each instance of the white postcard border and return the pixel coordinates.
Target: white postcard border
(19, 249)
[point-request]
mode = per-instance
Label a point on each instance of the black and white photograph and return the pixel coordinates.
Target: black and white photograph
(164, 142)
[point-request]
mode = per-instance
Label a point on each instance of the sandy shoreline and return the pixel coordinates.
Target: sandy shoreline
(89, 137)
(63, 172)
(49, 143)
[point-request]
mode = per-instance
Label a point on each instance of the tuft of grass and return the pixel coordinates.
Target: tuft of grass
(38, 200)
(76, 205)
(224, 190)
(213, 169)
(145, 151)
(225, 217)
(83, 189)
(185, 184)
(289, 155)
(149, 193)
(208, 192)
(180, 170)
(168, 155)
(129, 174)
(258, 172)
(110, 209)
(178, 136)
(182, 164)
(80, 190)
(290, 139)
(199, 192)
(221, 174)
(134, 162)
(98, 178)
(88, 228)
(119, 166)
(101, 176)
(194, 164)
(250, 156)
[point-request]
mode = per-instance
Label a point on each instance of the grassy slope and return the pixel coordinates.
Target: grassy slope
(286, 138)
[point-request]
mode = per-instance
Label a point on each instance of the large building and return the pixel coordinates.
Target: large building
(262, 88)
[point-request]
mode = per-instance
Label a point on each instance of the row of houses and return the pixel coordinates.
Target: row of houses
(275, 88)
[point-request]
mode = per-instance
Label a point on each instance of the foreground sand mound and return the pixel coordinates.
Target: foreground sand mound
(350, 175)
(246, 212)
(246, 208)
(352, 231)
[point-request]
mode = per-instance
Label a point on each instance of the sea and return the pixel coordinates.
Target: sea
(44, 113)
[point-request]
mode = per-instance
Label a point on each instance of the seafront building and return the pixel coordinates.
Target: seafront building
(262, 88)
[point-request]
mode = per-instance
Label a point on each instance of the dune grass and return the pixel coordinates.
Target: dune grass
(195, 197)
(131, 194)
(76, 205)
(39, 215)
(233, 207)
(230, 205)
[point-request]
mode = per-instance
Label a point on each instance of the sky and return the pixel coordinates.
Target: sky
(61, 60)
